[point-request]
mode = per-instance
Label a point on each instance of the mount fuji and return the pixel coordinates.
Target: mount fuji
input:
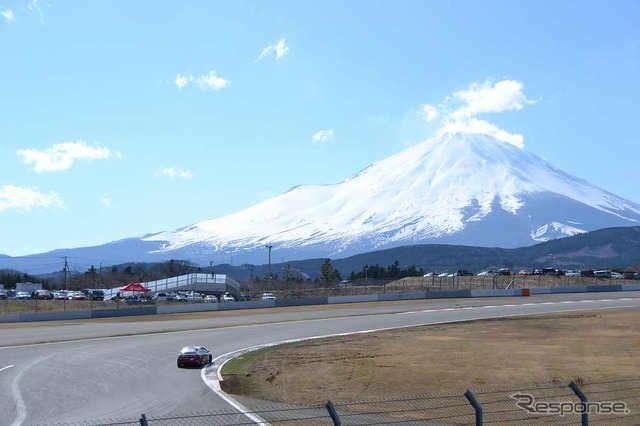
(455, 188)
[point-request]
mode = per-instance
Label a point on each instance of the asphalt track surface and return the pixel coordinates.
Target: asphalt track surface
(84, 370)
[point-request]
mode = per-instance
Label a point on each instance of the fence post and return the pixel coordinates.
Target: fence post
(583, 398)
(476, 406)
(332, 413)
(143, 420)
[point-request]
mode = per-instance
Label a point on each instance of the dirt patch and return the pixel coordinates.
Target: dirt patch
(593, 345)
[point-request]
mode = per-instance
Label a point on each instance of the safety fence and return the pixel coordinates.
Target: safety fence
(612, 402)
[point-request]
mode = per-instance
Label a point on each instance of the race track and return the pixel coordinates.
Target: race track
(121, 369)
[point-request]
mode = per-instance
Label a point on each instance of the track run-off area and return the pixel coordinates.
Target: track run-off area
(81, 370)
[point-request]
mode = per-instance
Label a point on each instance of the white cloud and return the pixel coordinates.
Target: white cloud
(106, 201)
(322, 136)
(62, 156)
(473, 125)
(429, 112)
(8, 15)
(505, 95)
(183, 80)
(204, 82)
(26, 199)
(279, 50)
(175, 173)
(458, 111)
(211, 81)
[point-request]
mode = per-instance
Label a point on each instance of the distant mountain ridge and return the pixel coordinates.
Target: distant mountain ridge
(617, 248)
(460, 188)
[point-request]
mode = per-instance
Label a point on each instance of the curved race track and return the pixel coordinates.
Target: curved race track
(121, 369)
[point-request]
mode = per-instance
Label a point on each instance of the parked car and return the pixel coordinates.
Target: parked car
(194, 297)
(95, 295)
(77, 295)
(617, 276)
(268, 296)
(180, 298)
(464, 273)
(227, 297)
(194, 355)
(602, 274)
(210, 298)
(3, 294)
(43, 295)
(245, 297)
(572, 273)
(163, 297)
(429, 274)
(23, 295)
(60, 295)
(488, 273)
(504, 271)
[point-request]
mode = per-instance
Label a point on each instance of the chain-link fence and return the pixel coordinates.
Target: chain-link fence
(613, 402)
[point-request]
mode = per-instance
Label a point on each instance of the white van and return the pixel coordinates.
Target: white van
(268, 296)
(602, 274)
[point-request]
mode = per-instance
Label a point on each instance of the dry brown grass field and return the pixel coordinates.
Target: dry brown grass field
(592, 345)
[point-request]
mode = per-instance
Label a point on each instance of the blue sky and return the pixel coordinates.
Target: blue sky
(119, 118)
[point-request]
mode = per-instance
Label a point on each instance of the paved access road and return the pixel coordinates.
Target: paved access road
(123, 368)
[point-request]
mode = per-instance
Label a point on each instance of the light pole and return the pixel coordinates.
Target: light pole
(366, 275)
(269, 247)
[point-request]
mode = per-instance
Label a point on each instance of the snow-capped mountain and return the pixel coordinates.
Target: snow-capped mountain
(454, 188)
(457, 188)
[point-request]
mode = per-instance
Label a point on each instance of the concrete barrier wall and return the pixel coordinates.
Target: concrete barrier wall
(576, 289)
(55, 316)
(179, 309)
(597, 288)
(496, 293)
(302, 302)
(448, 294)
(540, 290)
(10, 318)
(125, 312)
(256, 304)
(388, 297)
(631, 287)
(353, 299)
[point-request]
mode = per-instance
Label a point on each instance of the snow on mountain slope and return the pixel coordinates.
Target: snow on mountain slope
(467, 188)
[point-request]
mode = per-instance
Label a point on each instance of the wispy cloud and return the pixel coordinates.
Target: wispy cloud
(34, 7)
(8, 15)
(278, 50)
(27, 199)
(182, 80)
(322, 136)
(205, 81)
(174, 173)
(106, 201)
(429, 112)
(458, 112)
(62, 156)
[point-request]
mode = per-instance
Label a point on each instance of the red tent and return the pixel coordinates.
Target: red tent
(134, 287)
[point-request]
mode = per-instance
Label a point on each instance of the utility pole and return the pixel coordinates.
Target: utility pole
(269, 247)
(101, 280)
(65, 269)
